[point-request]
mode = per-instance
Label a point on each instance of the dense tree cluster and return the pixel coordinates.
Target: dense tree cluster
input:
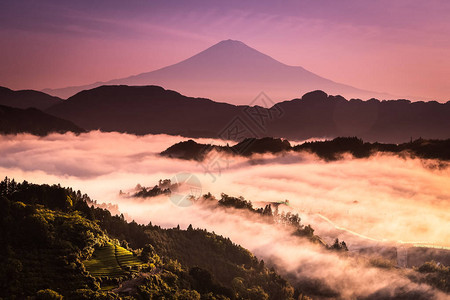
(43, 247)
(266, 213)
(269, 215)
(164, 187)
(338, 245)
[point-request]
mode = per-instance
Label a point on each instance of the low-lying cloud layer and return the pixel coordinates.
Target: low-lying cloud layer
(380, 199)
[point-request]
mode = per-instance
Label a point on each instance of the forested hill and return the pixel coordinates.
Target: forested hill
(54, 243)
(327, 150)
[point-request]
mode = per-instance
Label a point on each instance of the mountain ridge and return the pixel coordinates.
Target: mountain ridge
(154, 110)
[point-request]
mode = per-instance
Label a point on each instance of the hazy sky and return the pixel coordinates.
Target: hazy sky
(395, 46)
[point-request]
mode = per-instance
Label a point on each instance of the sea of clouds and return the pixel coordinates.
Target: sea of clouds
(383, 199)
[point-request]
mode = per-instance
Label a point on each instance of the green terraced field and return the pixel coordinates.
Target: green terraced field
(111, 261)
(125, 258)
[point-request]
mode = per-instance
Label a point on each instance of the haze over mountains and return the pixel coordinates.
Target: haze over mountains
(232, 72)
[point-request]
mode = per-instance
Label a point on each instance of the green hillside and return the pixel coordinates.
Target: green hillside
(54, 243)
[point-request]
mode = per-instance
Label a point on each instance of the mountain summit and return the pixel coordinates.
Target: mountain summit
(230, 71)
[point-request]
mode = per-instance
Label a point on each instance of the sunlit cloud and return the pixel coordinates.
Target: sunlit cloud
(383, 197)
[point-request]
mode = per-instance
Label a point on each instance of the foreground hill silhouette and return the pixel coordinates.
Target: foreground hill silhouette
(230, 71)
(26, 99)
(152, 109)
(34, 121)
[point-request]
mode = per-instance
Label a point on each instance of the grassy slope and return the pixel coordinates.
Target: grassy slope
(112, 261)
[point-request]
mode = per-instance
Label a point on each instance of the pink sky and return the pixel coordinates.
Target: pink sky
(400, 47)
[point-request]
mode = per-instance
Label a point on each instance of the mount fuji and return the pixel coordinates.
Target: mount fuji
(232, 72)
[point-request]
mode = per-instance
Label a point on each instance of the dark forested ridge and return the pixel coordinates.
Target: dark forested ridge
(328, 150)
(26, 99)
(50, 236)
(34, 121)
(193, 150)
(152, 109)
(332, 150)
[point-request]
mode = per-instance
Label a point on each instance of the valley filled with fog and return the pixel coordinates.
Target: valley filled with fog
(381, 201)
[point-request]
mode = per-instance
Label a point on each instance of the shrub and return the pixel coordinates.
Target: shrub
(48, 294)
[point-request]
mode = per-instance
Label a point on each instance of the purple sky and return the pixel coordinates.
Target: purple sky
(398, 46)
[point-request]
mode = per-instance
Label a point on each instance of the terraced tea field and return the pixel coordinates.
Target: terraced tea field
(111, 261)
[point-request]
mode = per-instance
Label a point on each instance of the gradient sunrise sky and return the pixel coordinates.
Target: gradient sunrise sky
(401, 47)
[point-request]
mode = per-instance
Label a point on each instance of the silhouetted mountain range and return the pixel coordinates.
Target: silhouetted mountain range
(328, 150)
(232, 72)
(154, 110)
(144, 110)
(32, 120)
(26, 99)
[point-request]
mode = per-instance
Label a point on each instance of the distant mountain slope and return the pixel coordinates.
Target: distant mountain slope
(32, 120)
(26, 99)
(143, 110)
(152, 109)
(394, 121)
(232, 72)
